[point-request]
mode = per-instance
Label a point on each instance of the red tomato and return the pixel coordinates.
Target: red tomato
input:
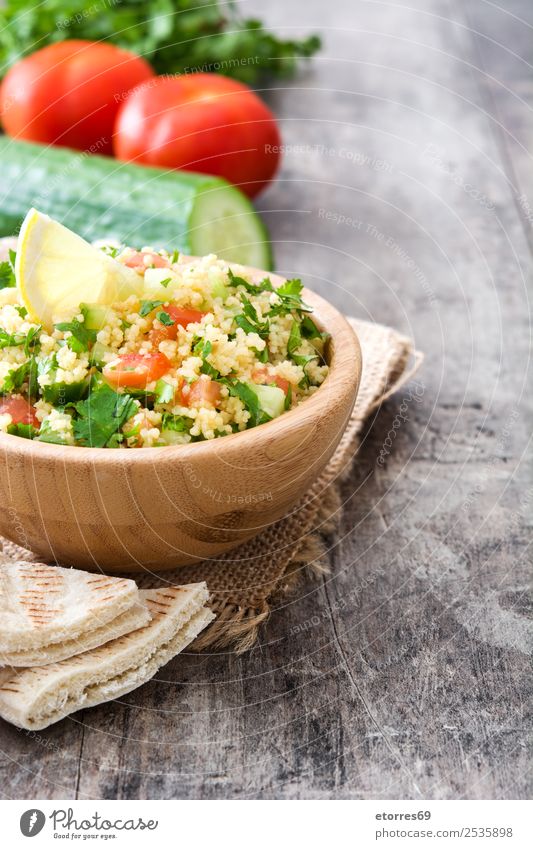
(202, 391)
(201, 122)
(69, 93)
(263, 375)
(181, 318)
(20, 410)
(136, 370)
(136, 260)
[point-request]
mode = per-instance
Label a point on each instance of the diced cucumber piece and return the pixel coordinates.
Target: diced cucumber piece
(99, 354)
(172, 437)
(96, 315)
(46, 434)
(159, 283)
(271, 399)
(159, 277)
(219, 290)
(164, 392)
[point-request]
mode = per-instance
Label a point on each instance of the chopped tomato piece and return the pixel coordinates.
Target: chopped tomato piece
(146, 259)
(263, 375)
(136, 370)
(20, 410)
(180, 317)
(202, 391)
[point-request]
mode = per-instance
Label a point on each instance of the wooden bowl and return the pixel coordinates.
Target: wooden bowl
(157, 508)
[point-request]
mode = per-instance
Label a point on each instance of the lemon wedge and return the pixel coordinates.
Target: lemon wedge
(56, 270)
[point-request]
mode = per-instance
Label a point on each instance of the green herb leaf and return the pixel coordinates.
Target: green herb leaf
(30, 340)
(249, 320)
(288, 398)
(15, 378)
(309, 329)
(290, 300)
(294, 342)
(111, 250)
(178, 37)
(81, 337)
(102, 415)
(165, 318)
(148, 307)
(202, 348)
(252, 288)
(7, 275)
(27, 431)
(250, 400)
(180, 424)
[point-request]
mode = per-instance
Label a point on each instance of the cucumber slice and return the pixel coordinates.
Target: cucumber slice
(271, 399)
(100, 198)
(172, 437)
(159, 283)
(224, 222)
(164, 392)
(98, 354)
(95, 315)
(219, 290)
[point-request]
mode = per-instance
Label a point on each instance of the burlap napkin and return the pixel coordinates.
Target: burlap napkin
(243, 582)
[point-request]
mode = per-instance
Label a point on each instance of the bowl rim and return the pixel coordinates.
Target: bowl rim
(345, 357)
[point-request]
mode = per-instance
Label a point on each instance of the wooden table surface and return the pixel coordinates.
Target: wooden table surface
(406, 197)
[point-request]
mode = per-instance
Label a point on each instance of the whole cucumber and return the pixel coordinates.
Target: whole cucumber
(102, 198)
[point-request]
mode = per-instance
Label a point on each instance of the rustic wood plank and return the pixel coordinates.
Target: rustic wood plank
(404, 672)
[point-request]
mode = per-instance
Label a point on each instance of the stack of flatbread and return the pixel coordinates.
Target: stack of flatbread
(71, 639)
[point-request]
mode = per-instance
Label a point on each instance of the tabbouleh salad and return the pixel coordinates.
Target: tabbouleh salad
(204, 353)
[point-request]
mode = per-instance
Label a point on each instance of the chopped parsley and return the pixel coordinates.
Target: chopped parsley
(102, 416)
(7, 275)
(249, 321)
(290, 300)
(295, 341)
(309, 330)
(179, 424)
(203, 348)
(252, 288)
(288, 398)
(165, 318)
(111, 250)
(15, 378)
(29, 340)
(81, 338)
(148, 306)
(32, 340)
(249, 399)
(27, 431)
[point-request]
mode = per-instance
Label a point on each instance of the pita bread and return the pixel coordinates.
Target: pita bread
(43, 605)
(37, 697)
(136, 617)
